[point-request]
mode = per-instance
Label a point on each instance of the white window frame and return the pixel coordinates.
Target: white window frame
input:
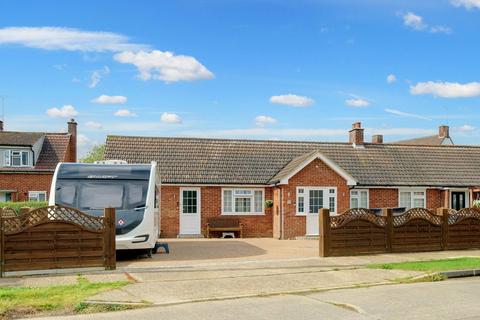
(306, 198)
(359, 197)
(36, 194)
(413, 197)
(8, 158)
(252, 197)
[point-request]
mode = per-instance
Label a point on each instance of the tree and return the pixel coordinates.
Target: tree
(95, 154)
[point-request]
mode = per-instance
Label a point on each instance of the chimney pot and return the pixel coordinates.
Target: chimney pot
(356, 135)
(1, 125)
(443, 132)
(377, 139)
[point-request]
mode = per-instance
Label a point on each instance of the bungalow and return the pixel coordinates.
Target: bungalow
(28, 160)
(203, 178)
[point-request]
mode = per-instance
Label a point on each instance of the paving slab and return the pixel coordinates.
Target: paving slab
(227, 285)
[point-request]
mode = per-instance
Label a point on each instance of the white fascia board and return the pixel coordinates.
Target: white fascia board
(340, 171)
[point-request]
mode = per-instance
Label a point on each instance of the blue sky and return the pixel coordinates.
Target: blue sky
(303, 70)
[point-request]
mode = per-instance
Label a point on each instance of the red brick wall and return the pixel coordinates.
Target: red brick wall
(24, 182)
(383, 198)
(435, 199)
(316, 174)
(211, 206)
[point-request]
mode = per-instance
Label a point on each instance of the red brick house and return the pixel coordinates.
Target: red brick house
(28, 161)
(202, 178)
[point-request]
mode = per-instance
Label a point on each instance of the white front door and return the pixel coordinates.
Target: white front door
(316, 199)
(190, 211)
(315, 202)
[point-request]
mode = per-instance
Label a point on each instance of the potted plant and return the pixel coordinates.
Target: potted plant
(476, 204)
(268, 203)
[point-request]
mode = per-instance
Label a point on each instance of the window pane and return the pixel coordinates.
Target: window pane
(227, 200)
(331, 206)
(24, 158)
(189, 201)
(258, 200)
(42, 196)
(363, 199)
(32, 196)
(243, 205)
(406, 199)
(354, 202)
(94, 196)
(16, 160)
(301, 204)
(418, 203)
(316, 200)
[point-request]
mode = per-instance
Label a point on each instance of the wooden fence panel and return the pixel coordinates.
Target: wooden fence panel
(357, 231)
(417, 230)
(464, 229)
(57, 237)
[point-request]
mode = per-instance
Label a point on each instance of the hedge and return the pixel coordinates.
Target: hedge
(17, 205)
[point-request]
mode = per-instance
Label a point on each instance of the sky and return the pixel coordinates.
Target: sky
(263, 69)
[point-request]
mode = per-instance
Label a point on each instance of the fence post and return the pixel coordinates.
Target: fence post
(109, 239)
(388, 214)
(2, 245)
(324, 229)
(443, 212)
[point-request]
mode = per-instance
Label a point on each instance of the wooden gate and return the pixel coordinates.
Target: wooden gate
(56, 237)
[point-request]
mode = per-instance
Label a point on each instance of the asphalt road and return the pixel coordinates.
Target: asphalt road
(452, 299)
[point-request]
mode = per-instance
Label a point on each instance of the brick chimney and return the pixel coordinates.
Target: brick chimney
(443, 132)
(377, 139)
(356, 135)
(72, 130)
(1, 125)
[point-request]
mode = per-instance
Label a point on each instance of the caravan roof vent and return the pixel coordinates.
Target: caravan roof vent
(111, 162)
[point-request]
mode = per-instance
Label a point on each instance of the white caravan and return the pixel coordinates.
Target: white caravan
(129, 188)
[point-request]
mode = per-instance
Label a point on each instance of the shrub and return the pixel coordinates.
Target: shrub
(476, 204)
(17, 205)
(268, 203)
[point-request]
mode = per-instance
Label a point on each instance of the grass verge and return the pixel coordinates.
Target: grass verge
(63, 299)
(432, 265)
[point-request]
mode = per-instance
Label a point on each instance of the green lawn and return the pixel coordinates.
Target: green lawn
(432, 265)
(25, 301)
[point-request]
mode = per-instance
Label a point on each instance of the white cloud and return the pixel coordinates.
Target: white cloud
(83, 140)
(171, 118)
(97, 76)
(66, 111)
(447, 89)
(357, 102)
(469, 4)
(261, 121)
(124, 113)
(93, 125)
(106, 99)
(57, 38)
(292, 100)
(406, 114)
(391, 78)
(466, 128)
(416, 22)
(164, 65)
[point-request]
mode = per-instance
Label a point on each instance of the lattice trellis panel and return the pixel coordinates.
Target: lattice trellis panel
(8, 212)
(356, 214)
(52, 214)
(417, 213)
(466, 213)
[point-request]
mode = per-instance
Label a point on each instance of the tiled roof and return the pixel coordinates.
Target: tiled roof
(427, 141)
(54, 150)
(224, 161)
(21, 139)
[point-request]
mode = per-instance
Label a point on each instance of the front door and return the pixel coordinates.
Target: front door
(190, 211)
(458, 200)
(315, 202)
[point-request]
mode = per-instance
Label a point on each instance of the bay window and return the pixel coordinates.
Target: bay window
(411, 198)
(242, 201)
(359, 198)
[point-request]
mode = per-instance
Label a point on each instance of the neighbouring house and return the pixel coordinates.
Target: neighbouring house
(28, 161)
(203, 178)
(441, 139)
